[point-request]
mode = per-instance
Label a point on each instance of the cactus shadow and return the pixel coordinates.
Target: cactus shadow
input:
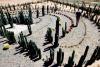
(26, 53)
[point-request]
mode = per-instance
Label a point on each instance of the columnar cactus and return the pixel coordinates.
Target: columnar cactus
(43, 11)
(9, 19)
(30, 16)
(80, 63)
(48, 36)
(93, 57)
(10, 36)
(1, 31)
(37, 13)
(22, 41)
(65, 26)
(56, 33)
(60, 57)
(39, 53)
(70, 61)
(3, 19)
(51, 59)
(29, 29)
(47, 9)
(21, 17)
(63, 33)
(4, 31)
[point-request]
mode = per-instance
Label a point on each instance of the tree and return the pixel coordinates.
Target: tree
(48, 36)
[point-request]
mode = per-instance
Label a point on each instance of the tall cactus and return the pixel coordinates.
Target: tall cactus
(48, 36)
(29, 29)
(43, 11)
(39, 53)
(80, 63)
(10, 36)
(56, 44)
(70, 61)
(32, 50)
(9, 19)
(37, 15)
(52, 54)
(4, 31)
(63, 33)
(51, 59)
(3, 19)
(30, 15)
(93, 57)
(23, 41)
(60, 57)
(65, 26)
(47, 9)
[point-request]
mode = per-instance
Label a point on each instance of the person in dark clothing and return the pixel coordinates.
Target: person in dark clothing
(78, 14)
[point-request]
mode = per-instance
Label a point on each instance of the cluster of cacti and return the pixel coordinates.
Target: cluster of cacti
(3, 19)
(10, 21)
(33, 51)
(29, 29)
(50, 60)
(56, 33)
(21, 18)
(70, 61)
(11, 38)
(48, 36)
(23, 41)
(60, 57)
(43, 10)
(80, 63)
(9, 35)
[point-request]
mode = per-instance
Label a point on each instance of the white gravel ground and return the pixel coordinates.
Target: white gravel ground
(69, 43)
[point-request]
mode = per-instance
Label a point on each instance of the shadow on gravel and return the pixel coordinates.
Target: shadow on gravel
(32, 55)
